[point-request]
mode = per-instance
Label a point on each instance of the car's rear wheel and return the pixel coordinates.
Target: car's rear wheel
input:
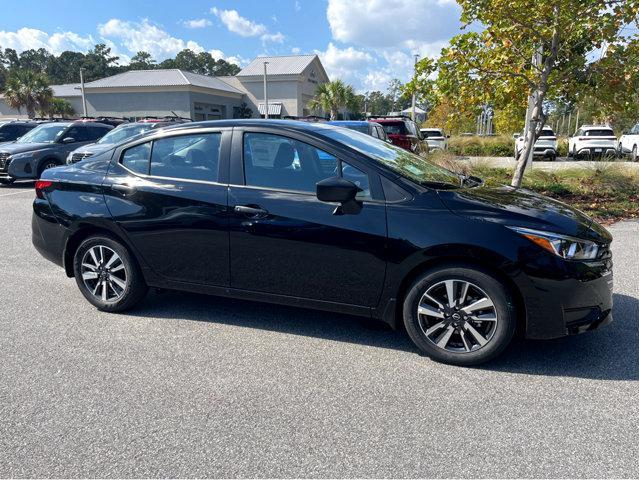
(459, 315)
(107, 275)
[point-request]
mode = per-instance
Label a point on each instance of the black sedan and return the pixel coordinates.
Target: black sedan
(328, 218)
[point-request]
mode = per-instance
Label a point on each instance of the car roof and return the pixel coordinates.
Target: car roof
(353, 123)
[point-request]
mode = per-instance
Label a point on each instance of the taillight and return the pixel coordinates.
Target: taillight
(40, 185)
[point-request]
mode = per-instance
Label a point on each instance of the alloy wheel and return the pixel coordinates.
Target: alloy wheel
(104, 274)
(457, 316)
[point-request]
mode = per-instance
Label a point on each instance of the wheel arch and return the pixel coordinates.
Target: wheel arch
(79, 235)
(453, 260)
(40, 161)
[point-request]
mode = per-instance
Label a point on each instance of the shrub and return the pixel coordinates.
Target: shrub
(502, 146)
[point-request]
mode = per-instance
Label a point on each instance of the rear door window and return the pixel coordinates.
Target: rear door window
(394, 128)
(188, 157)
(602, 132)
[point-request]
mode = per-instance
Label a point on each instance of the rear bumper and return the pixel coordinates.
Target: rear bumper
(607, 150)
(47, 235)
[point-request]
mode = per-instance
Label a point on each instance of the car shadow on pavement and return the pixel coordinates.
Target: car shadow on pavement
(275, 318)
(20, 185)
(611, 353)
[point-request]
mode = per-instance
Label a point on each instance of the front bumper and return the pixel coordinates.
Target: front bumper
(577, 300)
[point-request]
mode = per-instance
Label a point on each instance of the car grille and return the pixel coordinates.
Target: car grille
(76, 157)
(4, 162)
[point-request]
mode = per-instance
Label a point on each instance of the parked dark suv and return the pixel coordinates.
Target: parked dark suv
(12, 130)
(46, 146)
(403, 132)
(312, 215)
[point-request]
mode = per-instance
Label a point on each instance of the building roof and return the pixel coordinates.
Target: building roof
(161, 78)
(66, 90)
(286, 65)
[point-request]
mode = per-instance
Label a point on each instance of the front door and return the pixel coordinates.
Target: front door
(167, 196)
(285, 241)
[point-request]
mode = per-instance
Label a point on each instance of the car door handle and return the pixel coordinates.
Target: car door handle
(123, 187)
(250, 210)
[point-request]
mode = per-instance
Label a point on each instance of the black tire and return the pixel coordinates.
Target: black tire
(135, 287)
(503, 309)
(45, 165)
(552, 158)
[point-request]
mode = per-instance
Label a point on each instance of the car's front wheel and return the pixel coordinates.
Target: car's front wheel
(459, 315)
(107, 275)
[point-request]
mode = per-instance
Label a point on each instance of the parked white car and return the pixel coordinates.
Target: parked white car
(435, 138)
(593, 140)
(629, 143)
(545, 146)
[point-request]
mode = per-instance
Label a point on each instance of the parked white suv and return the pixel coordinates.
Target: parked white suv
(593, 140)
(629, 143)
(435, 138)
(545, 146)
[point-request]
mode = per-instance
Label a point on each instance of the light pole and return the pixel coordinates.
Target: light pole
(414, 83)
(84, 99)
(265, 93)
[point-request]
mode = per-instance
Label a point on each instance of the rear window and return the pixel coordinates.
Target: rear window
(432, 133)
(394, 128)
(547, 132)
(600, 132)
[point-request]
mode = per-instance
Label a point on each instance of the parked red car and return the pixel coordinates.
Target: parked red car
(403, 132)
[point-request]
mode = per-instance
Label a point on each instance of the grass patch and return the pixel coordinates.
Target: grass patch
(607, 193)
(500, 146)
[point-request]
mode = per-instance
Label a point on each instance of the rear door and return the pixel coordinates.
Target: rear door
(284, 240)
(169, 195)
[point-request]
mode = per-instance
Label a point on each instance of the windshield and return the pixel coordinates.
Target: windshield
(600, 133)
(432, 133)
(397, 159)
(47, 133)
(121, 134)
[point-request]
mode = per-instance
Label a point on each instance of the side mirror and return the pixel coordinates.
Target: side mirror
(516, 135)
(68, 140)
(339, 190)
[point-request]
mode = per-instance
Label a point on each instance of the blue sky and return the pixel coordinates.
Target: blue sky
(364, 42)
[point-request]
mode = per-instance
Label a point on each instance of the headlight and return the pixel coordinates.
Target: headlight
(564, 246)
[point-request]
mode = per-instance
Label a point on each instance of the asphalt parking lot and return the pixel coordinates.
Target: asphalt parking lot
(195, 386)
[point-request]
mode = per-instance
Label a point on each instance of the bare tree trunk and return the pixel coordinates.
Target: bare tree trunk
(537, 119)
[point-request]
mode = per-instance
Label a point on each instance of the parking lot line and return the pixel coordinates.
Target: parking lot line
(15, 193)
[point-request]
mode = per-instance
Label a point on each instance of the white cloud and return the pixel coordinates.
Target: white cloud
(238, 24)
(393, 23)
(244, 27)
(146, 36)
(197, 23)
(297, 6)
(236, 59)
(348, 64)
(296, 50)
(31, 38)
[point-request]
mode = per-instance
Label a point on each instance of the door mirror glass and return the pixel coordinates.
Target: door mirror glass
(68, 140)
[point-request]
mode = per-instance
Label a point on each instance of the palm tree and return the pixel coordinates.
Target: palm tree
(57, 107)
(27, 89)
(333, 96)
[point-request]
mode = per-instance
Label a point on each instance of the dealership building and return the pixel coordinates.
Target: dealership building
(291, 83)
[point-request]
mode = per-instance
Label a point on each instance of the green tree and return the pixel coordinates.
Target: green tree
(422, 84)
(537, 49)
(99, 63)
(35, 60)
(333, 96)
(29, 90)
(142, 61)
(65, 68)
(57, 107)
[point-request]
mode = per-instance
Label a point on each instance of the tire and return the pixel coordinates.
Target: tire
(492, 333)
(45, 165)
(118, 284)
(552, 158)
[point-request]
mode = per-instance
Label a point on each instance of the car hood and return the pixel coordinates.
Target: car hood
(523, 208)
(13, 148)
(94, 148)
